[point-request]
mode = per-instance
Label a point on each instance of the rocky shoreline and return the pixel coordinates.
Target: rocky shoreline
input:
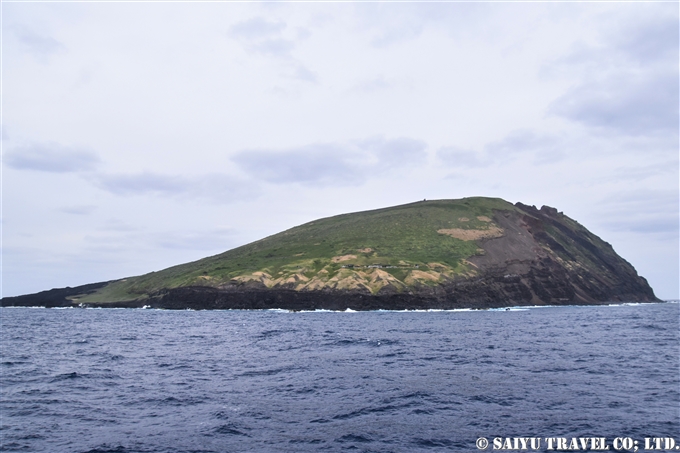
(490, 291)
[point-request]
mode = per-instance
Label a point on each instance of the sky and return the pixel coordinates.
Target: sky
(137, 136)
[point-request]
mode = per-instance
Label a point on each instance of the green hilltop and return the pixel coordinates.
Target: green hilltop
(414, 244)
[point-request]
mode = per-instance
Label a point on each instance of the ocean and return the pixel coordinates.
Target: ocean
(135, 380)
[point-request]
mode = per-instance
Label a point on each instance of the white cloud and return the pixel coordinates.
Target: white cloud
(51, 157)
(40, 45)
(78, 209)
(256, 28)
(262, 36)
(456, 157)
(629, 79)
(545, 149)
(301, 73)
(143, 183)
(648, 212)
(636, 105)
(332, 164)
(213, 187)
(370, 85)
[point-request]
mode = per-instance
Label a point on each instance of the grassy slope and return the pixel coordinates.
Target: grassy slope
(403, 236)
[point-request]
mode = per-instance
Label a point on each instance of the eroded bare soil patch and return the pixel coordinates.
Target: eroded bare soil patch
(338, 259)
(472, 235)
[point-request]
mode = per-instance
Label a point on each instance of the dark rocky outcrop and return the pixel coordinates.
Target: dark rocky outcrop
(57, 297)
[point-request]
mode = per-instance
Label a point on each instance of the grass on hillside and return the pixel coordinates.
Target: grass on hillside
(402, 236)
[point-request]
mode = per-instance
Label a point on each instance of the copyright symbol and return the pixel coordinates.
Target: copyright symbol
(482, 443)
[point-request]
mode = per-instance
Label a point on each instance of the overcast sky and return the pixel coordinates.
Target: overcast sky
(136, 136)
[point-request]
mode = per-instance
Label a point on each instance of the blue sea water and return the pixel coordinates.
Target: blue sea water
(85, 380)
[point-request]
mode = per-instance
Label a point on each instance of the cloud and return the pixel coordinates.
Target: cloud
(391, 24)
(520, 142)
(630, 81)
(262, 36)
(143, 183)
(273, 47)
(256, 28)
(642, 172)
(372, 85)
(78, 210)
(51, 157)
(396, 152)
(634, 105)
(313, 164)
(397, 32)
(650, 40)
(331, 164)
(39, 45)
(300, 72)
(642, 44)
(644, 211)
(218, 188)
(117, 226)
(456, 157)
(546, 149)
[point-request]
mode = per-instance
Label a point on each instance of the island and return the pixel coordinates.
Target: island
(473, 252)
